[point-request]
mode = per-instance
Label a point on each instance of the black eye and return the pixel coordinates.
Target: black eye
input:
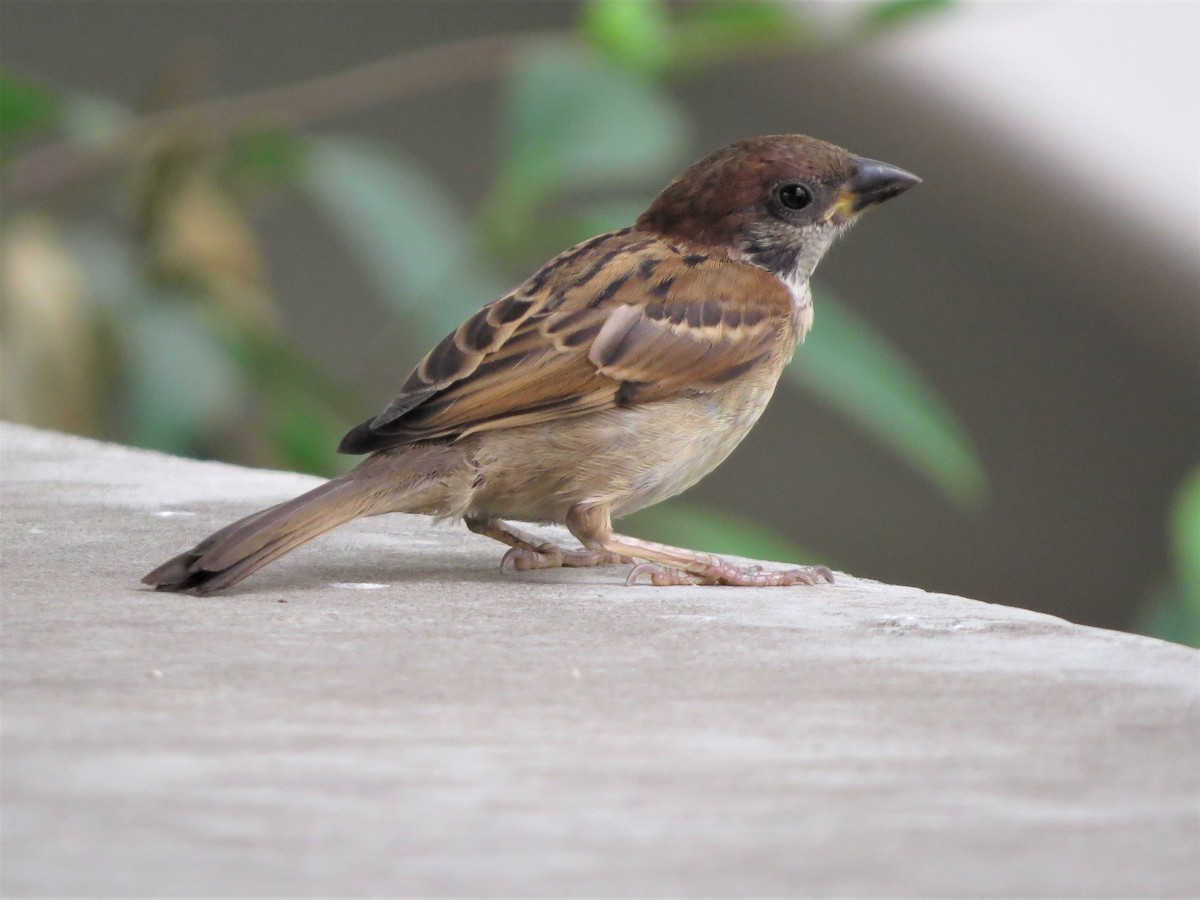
(794, 196)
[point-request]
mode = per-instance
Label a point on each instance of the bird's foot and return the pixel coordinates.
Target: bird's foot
(551, 556)
(727, 573)
(526, 552)
(667, 565)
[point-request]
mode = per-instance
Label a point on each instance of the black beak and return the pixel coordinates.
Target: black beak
(874, 181)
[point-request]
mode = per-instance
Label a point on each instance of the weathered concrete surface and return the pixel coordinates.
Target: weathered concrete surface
(411, 721)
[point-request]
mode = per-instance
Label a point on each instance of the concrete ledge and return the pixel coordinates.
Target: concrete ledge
(385, 713)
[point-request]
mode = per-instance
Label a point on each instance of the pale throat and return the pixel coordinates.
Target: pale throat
(794, 265)
(796, 281)
(797, 277)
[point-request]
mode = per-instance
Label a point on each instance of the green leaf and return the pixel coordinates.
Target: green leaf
(633, 33)
(266, 155)
(83, 118)
(1171, 614)
(896, 12)
(576, 121)
(640, 36)
(703, 528)
(404, 229)
(1185, 536)
(857, 371)
(24, 105)
(709, 31)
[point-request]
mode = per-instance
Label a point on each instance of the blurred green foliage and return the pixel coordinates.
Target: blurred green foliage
(892, 11)
(642, 36)
(163, 331)
(1173, 610)
(24, 104)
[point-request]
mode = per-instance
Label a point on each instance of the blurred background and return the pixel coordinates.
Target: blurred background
(230, 228)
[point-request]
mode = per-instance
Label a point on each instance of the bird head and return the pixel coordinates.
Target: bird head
(777, 201)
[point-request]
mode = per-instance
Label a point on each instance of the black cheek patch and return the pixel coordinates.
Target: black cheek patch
(777, 260)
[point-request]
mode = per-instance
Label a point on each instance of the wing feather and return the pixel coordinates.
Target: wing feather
(623, 320)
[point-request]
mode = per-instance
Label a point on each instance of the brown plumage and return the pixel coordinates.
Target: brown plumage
(616, 376)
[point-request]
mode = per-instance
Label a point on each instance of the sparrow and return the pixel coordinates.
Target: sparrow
(618, 375)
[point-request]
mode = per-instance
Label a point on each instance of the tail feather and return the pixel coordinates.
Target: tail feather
(227, 556)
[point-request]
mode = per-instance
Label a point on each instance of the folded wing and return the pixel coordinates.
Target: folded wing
(620, 320)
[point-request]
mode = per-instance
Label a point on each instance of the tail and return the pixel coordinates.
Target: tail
(227, 556)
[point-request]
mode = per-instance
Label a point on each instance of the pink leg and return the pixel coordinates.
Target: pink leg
(669, 565)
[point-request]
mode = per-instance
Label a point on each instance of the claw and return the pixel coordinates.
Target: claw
(510, 556)
(523, 558)
(637, 571)
(654, 571)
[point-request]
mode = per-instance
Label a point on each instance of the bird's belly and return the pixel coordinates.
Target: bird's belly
(628, 458)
